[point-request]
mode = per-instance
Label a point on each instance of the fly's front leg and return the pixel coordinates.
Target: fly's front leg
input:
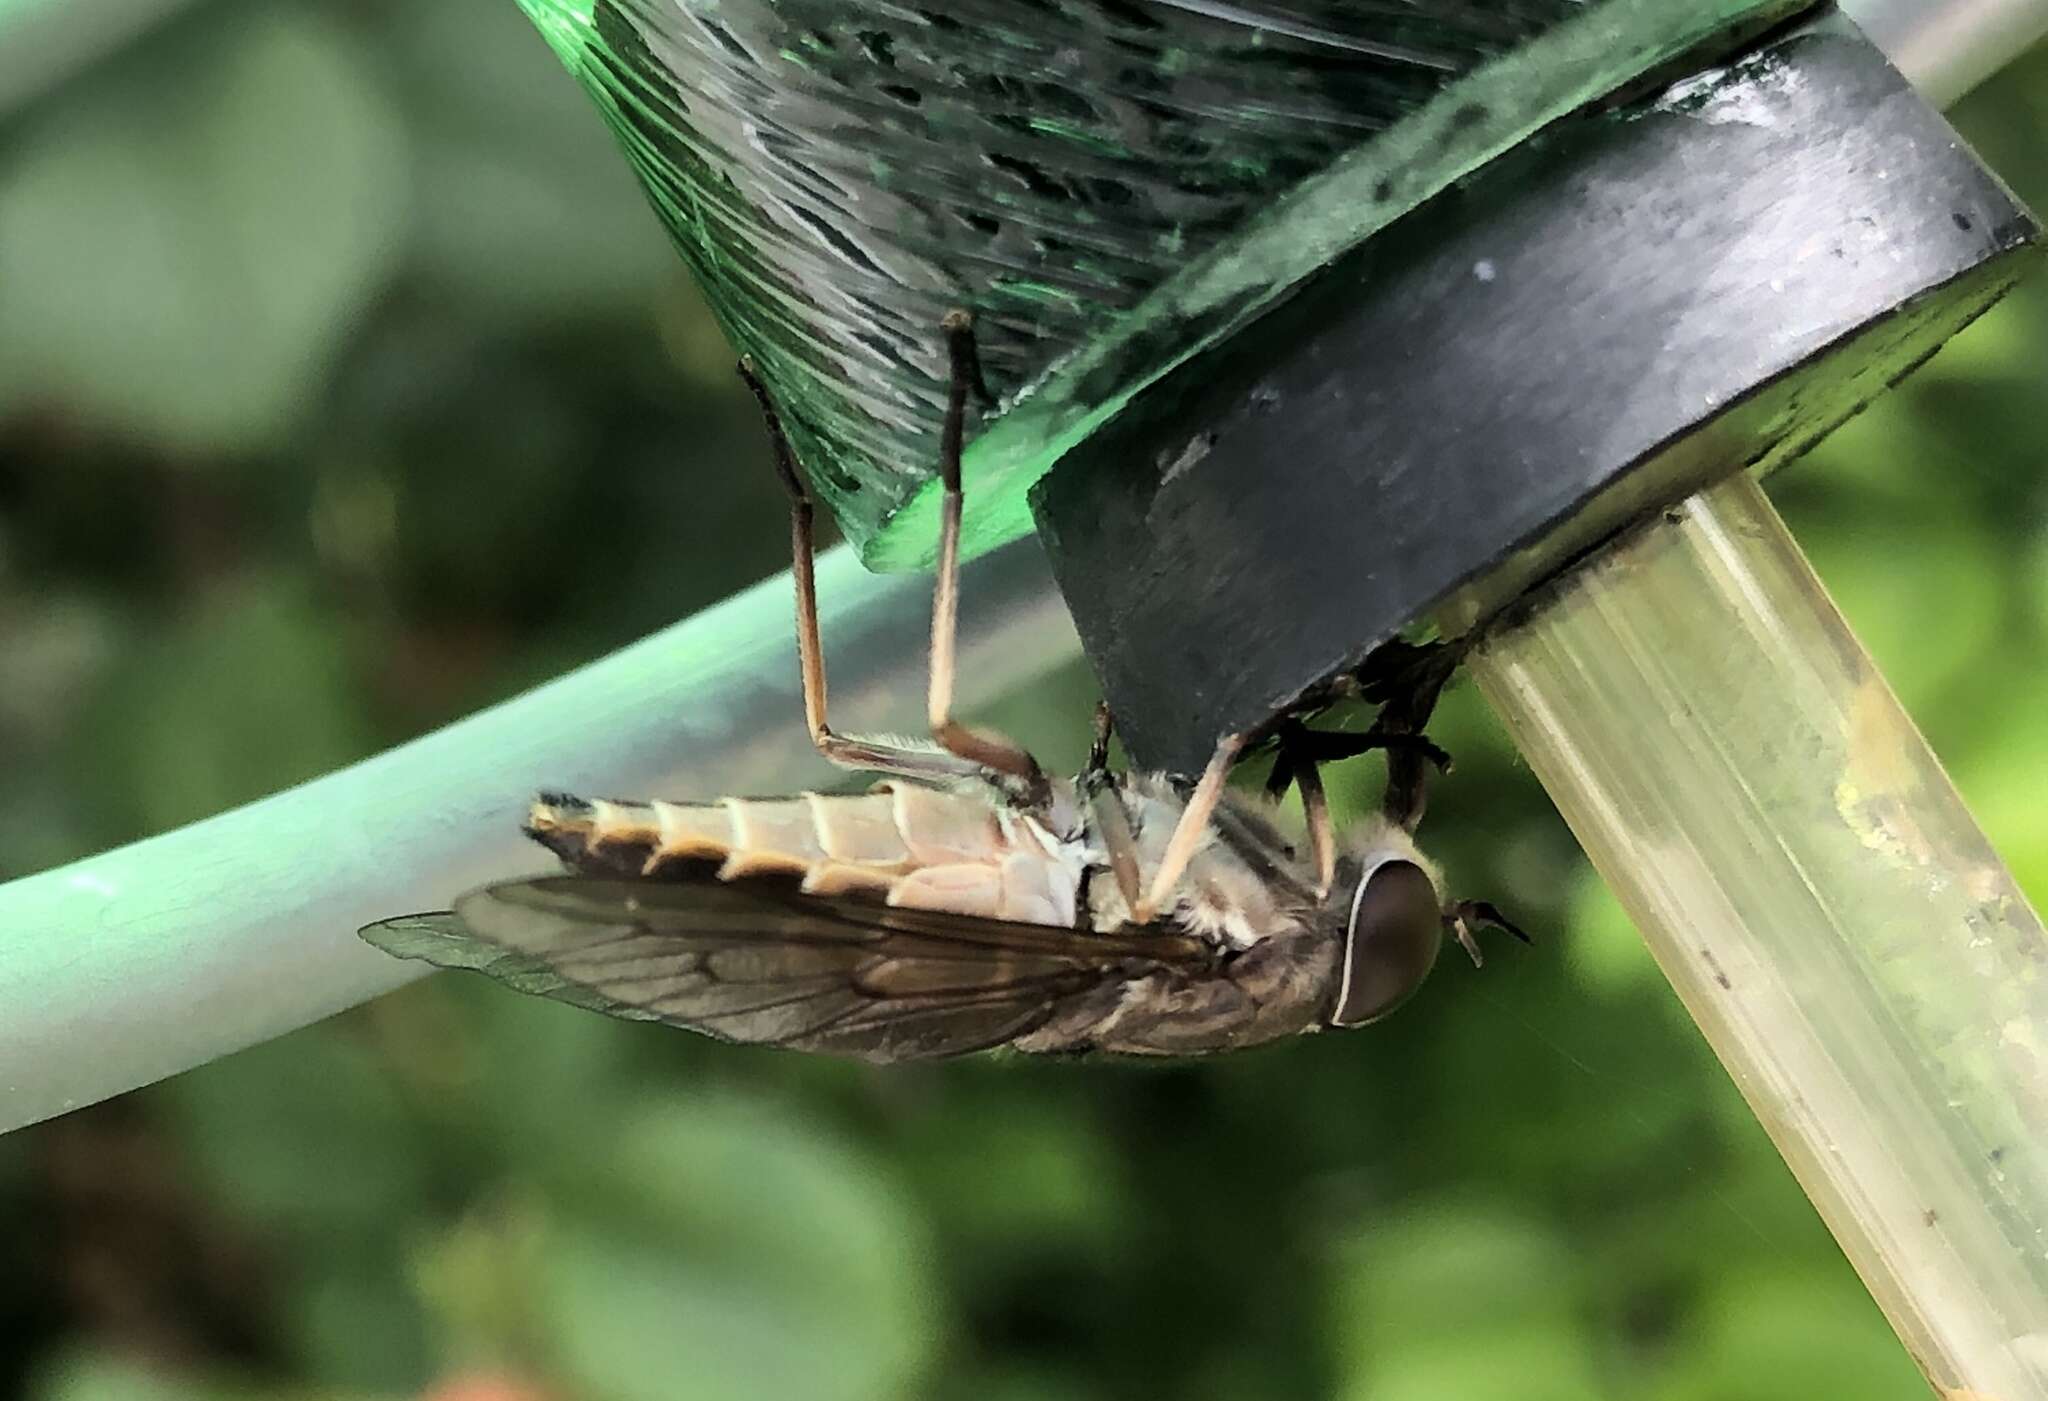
(1097, 771)
(991, 752)
(1407, 681)
(1299, 754)
(1111, 821)
(1296, 764)
(847, 751)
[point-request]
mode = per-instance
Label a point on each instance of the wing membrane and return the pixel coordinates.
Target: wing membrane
(749, 962)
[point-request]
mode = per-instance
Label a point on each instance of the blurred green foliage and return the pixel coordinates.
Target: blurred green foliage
(346, 385)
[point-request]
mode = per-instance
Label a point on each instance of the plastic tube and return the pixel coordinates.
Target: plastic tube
(1820, 898)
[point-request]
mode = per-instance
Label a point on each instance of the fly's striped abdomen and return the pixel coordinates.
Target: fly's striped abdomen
(908, 846)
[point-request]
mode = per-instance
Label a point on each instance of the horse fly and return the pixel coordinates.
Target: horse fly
(970, 901)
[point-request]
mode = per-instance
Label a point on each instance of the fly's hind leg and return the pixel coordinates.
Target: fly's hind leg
(991, 752)
(848, 751)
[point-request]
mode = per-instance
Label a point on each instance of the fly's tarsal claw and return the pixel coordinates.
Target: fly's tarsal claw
(1418, 744)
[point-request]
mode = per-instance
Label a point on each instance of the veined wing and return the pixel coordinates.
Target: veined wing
(752, 962)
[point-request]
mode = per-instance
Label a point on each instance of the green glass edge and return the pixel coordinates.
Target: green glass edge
(1516, 95)
(1470, 122)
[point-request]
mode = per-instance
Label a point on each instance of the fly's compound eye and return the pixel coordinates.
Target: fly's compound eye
(1391, 943)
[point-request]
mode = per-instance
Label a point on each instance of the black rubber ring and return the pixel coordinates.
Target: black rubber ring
(1631, 305)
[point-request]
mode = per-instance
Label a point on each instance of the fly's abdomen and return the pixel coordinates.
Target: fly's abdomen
(902, 844)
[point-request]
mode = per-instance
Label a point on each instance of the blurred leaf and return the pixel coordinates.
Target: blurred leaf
(1035, 1381)
(2034, 579)
(525, 208)
(54, 651)
(1018, 1179)
(486, 1386)
(1491, 1363)
(2002, 780)
(353, 1322)
(87, 1375)
(1419, 1282)
(1789, 1336)
(1995, 349)
(185, 245)
(1465, 1299)
(1916, 586)
(1606, 954)
(304, 1137)
(249, 694)
(712, 1248)
(510, 1080)
(305, 1141)
(474, 1279)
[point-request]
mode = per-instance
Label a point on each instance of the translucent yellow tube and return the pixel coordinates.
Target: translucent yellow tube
(1821, 899)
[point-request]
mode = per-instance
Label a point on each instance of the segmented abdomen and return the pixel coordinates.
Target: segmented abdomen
(906, 845)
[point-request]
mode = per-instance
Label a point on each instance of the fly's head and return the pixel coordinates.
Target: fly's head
(1388, 911)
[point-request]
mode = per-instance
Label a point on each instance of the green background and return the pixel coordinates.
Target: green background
(346, 385)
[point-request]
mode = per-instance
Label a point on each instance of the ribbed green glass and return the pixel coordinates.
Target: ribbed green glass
(1109, 184)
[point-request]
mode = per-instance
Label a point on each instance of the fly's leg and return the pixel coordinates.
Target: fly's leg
(1188, 832)
(847, 751)
(1296, 764)
(1297, 748)
(1112, 822)
(1407, 680)
(990, 752)
(1301, 752)
(1096, 772)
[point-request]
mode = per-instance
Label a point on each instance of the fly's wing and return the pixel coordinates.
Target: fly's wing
(443, 940)
(749, 962)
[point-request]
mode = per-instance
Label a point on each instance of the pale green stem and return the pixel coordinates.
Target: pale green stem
(136, 964)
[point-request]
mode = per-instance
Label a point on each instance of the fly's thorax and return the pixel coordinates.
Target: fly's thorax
(1245, 882)
(903, 844)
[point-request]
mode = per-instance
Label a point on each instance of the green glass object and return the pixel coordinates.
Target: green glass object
(1110, 185)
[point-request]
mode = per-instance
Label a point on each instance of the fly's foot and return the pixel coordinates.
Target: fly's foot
(1407, 677)
(1298, 749)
